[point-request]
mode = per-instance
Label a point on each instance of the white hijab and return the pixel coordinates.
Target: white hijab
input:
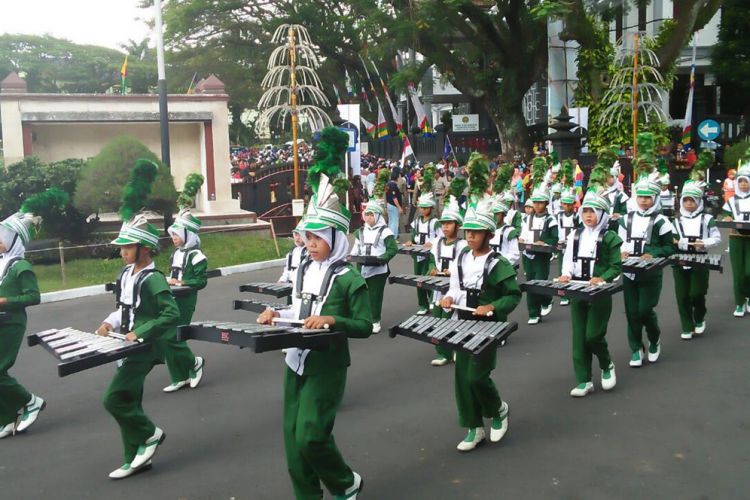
(741, 194)
(339, 247)
(189, 239)
(694, 213)
(13, 247)
(379, 221)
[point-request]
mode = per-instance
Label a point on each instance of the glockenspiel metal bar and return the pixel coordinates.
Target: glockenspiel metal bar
(277, 290)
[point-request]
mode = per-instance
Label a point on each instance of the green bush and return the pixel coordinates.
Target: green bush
(736, 152)
(102, 179)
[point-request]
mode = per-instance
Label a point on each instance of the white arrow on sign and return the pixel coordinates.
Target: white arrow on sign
(706, 130)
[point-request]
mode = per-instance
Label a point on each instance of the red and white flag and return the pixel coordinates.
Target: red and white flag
(407, 151)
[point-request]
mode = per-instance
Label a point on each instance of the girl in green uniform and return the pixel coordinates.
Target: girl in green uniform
(592, 254)
(737, 208)
(424, 229)
(18, 290)
(146, 312)
(188, 269)
(486, 281)
(327, 291)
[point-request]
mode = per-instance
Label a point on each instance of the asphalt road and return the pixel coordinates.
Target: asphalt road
(677, 429)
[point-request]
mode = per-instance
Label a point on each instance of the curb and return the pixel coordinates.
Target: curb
(89, 291)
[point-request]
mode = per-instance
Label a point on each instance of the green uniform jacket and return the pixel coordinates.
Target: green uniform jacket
(21, 290)
(609, 266)
(501, 289)
(194, 276)
(659, 246)
(349, 303)
(157, 314)
(516, 222)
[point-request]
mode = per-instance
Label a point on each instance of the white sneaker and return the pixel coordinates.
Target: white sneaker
(700, 328)
(127, 470)
(7, 430)
(176, 386)
(747, 304)
(499, 425)
(564, 302)
(533, 321)
(686, 335)
(147, 450)
(636, 359)
(609, 378)
(197, 375)
(582, 390)
(353, 490)
(739, 312)
(440, 361)
(376, 327)
(547, 309)
(30, 413)
(653, 354)
(472, 439)
(422, 312)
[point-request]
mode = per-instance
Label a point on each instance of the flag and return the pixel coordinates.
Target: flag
(579, 182)
(396, 115)
(687, 126)
(192, 82)
(365, 97)
(447, 147)
(338, 97)
(124, 76)
(422, 122)
(369, 127)
(382, 128)
(407, 151)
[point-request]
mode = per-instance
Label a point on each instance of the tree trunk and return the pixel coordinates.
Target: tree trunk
(511, 127)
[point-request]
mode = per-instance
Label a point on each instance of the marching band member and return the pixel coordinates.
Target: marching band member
(374, 238)
(738, 209)
(19, 409)
(483, 280)
(147, 312)
(592, 254)
(647, 234)
(188, 268)
(295, 256)
(540, 228)
(696, 232)
(618, 200)
(567, 218)
(328, 293)
(444, 252)
(424, 229)
(505, 240)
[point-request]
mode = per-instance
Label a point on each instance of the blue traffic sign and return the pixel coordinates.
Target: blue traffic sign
(708, 130)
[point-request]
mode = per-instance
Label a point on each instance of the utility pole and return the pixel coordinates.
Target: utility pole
(162, 86)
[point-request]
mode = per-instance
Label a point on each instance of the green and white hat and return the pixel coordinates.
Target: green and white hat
(528, 203)
(325, 210)
(20, 223)
(596, 201)
(452, 211)
(692, 189)
(479, 216)
(374, 207)
(426, 200)
(664, 180)
(647, 187)
(568, 196)
(556, 188)
(186, 220)
(500, 204)
(138, 231)
(540, 193)
(298, 228)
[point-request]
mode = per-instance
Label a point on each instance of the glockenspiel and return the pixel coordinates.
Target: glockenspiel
(638, 265)
(275, 289)
(257, 306)
(418, 250)
(177, 290)
(473, 336)
(432, 283)
(78, 350)
(258, 338)
(534, 248)
(713, 261)
(734, 224)
(365, 260)
(573, 289)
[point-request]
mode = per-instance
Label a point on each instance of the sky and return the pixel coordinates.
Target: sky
(108, 23)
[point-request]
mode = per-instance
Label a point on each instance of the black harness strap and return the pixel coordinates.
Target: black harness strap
(174, 271)
(309, 298)
(368, 246)
(125, 325)
(640, 243)
(303, 254)
(745, 216)
(692, 239)
(586, 267)
(472, 294)
(445, 262)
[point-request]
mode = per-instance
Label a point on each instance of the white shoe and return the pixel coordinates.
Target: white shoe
(747, 304)
(353, 490)
(533, 321)
(499, 425)
(700, 328)
(176, 386)
(422, 312)
(653, 357)
(148, 449)
(739, 312)
(7, 430)
(197, 375)
(609, 378)
(30, 413)
(582, 390)
(564, 302)
(547, 309)
(686, 335)
(472, 439)
(127, 470)
(636, 359)
(376, 327)
(440, 361)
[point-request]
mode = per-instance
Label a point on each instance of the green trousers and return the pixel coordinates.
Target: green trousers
(641, 297)
(589, 329)
(476, 394)
(739, 254)
(310, 405)
(420, 268)
(438, 312)
(13, 396)
(690, 289)
(536, 269)
(178, 356)
(124, 398)
(376, 286)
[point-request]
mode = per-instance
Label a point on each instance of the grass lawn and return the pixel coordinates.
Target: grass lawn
(222, 249)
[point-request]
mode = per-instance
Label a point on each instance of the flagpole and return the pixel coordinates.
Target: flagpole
(162, 86)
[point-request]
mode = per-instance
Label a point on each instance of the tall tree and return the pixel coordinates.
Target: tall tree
(731, 57)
